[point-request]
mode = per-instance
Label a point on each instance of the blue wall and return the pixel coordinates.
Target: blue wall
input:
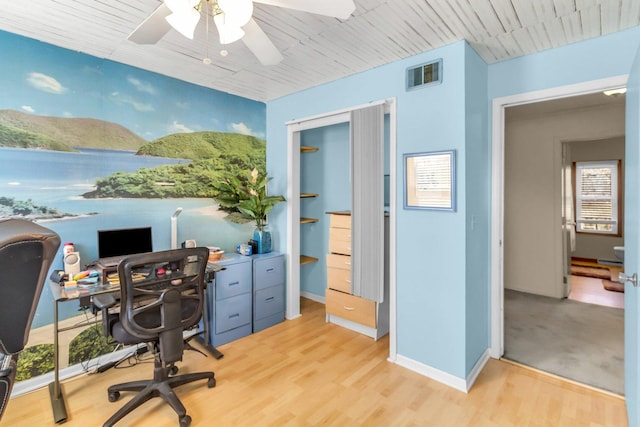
(432, 245)
(478, 199)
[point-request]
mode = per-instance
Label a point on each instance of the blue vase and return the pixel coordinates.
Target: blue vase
(262, 237)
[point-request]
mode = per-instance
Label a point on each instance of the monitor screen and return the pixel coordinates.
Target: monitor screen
(125, 241)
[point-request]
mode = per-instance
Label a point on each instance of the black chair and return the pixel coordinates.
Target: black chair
(161, 295)
(26, 253)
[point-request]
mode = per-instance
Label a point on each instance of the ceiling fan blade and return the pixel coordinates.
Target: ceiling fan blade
(152, 29)
(260, 44)
(337, 8)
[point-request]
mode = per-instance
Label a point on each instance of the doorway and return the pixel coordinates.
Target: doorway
(509, 274)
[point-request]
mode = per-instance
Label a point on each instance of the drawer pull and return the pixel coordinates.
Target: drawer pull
(348, 308)
(233, 283)
(347, 262)
(270, 299)
(347, 280)
(234, 315)
(269, 270)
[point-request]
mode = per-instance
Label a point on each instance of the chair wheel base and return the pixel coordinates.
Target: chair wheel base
(211, 383)
(185, 421)
(114, 396)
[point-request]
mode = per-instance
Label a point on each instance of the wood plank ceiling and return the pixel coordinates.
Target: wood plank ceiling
(317, 49)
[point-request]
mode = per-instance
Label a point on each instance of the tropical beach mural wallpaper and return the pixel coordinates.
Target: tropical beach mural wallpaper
(88, 144)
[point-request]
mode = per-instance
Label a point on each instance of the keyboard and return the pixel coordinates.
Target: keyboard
(111, 261)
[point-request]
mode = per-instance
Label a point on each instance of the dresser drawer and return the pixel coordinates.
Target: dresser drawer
(340, 221)
(339, 279)
(349, 307)
(234, 280)
(268, 301)
(339, 261)
(268, 272)
(340, 240)
(233, 312)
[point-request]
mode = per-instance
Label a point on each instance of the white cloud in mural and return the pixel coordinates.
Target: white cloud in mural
(140, 106)
(182, 105)
(119, 99)
(28, 109)
(241, 128)
(142, 86)
(45, 83)
(180, 128)
(67, 114)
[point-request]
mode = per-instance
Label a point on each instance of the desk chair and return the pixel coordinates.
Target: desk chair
(161, 295)
(26, 253)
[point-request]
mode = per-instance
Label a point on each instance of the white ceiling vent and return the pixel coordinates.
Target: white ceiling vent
(423, 75)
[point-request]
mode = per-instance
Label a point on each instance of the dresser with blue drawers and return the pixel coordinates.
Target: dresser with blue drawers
(247, 296)
(268, 290)
(230, 300)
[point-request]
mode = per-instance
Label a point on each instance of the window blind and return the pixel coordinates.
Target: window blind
(597, 197)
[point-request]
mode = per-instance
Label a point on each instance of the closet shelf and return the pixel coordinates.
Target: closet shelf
(307, 149)
(308, 220)
(305, 259)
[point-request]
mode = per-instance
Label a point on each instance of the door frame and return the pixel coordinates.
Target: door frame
(497, 186)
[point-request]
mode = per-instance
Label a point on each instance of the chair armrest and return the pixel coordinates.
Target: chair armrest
(104, 301)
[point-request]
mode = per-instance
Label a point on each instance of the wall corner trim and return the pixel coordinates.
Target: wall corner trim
(477, 368)
(460, 384)
(435, 374)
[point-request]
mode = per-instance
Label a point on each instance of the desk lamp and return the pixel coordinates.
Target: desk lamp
(174, 228)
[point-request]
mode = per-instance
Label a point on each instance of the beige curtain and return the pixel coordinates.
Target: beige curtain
(367, 202)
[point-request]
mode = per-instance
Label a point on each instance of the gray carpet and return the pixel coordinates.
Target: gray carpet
(580, 341)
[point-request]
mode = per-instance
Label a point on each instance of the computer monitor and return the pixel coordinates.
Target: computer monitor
(124, 241)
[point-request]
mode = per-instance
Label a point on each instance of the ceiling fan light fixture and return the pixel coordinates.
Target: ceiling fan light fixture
(228, 33)
(184, 23)
(181, 6)
(238, 12)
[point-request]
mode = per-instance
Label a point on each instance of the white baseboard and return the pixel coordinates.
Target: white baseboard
(313, 297)
(463, 385)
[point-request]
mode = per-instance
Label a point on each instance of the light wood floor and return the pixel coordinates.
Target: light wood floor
(305, 372)
(590, 290)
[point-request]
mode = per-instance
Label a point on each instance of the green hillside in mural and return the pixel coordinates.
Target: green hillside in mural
(14, 137)
(214, 156)
(25, 130)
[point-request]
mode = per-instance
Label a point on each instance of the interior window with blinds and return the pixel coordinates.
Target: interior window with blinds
(429, 181)
(597, 197)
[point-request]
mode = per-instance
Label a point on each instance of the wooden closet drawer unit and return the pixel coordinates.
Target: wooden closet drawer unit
(349, 307)
(340, 221)
(340, 240)
(339, 279)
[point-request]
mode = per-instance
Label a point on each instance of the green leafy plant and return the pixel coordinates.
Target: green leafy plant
(247, 193)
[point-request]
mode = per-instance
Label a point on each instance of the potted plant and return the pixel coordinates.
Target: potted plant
(249, 196)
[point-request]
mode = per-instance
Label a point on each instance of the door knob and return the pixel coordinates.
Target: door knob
(622, 277)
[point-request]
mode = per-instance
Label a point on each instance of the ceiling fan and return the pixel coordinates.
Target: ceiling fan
(233, 20)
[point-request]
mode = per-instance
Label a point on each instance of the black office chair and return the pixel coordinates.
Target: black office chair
(26, 253)
(162, 294)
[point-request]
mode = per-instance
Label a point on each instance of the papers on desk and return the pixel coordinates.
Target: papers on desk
(114, 279)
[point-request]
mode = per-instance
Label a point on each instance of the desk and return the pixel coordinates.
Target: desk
(61, 295)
